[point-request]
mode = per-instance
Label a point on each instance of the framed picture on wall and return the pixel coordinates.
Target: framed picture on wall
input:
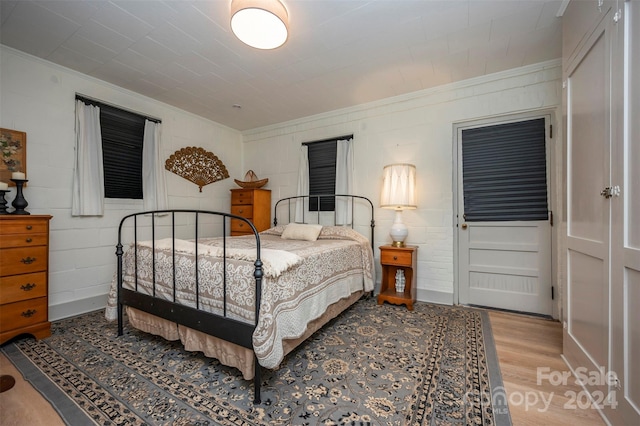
(13, 144)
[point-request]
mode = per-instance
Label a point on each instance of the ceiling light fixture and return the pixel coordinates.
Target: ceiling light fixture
(262, 24)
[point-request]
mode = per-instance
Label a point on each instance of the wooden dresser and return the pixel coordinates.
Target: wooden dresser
(24, 276)
(252, 204)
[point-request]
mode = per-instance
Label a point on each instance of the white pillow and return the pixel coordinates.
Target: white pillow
(301, 231)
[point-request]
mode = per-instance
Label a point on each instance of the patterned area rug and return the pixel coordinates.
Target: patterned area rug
(373, 365)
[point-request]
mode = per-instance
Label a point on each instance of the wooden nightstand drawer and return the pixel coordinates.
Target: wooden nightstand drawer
(243, 210)
(239, 196)
(396, 257)
(23, 226)
(22, 314)
(23, 260)
(22, 287)
(23, 240)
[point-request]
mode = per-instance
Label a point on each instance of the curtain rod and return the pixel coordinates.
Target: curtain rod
(89, 99)
(338, 138)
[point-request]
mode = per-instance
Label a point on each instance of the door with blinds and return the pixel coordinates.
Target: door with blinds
(503, 216)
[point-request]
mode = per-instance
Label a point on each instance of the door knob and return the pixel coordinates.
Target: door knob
(610, 191)
(463, 226)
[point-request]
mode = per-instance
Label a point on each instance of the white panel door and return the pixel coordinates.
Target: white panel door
(506, 264)
(625, 223)
(588, 112)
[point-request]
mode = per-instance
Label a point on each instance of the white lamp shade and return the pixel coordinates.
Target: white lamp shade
(262, 24)
(398, 187)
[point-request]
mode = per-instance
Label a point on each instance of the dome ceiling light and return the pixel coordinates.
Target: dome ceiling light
(262, 24)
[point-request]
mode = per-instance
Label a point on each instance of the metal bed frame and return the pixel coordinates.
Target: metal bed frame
(213, 324)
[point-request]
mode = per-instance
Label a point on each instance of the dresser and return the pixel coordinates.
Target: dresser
(252, 204)
(24, 276)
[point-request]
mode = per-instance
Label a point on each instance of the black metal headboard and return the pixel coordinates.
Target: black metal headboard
(353, 198)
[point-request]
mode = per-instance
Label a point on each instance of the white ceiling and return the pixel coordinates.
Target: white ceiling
(340, 53)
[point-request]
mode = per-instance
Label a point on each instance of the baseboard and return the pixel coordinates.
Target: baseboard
(77, 307)
(434, 296)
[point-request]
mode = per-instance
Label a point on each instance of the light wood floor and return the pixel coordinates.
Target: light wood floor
(523, 344)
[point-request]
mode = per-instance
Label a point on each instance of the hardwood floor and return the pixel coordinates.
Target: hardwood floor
(23, 405)
(523, 344)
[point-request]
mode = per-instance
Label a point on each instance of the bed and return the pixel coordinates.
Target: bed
(248, 300)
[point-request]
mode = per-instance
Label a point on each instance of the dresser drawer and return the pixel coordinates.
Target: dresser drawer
(22, 287)
(240, 226)
(23, 240)
(242, 197)
(23, 226)
(243, 210)
(23, 260)
(396, 257)
(22, 314)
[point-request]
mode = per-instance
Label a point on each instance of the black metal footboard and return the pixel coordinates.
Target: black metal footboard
(213, 324)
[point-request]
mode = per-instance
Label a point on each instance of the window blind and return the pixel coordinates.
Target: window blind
(504, 172)
(122, 136)
(322, 174)
(122, 142)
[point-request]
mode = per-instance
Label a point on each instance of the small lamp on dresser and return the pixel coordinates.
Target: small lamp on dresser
(398, 193)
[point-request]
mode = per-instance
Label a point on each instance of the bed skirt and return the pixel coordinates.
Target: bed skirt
(227, 353)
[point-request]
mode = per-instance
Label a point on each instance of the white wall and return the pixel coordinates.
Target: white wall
(38, 97)
(416, 128)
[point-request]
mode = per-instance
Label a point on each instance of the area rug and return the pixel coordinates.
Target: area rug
(372, 365)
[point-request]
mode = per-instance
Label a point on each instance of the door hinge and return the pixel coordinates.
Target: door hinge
(617, 16)
(553, 296)
(551, 217)
(550, 131)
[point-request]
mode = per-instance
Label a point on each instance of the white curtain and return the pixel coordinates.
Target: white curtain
(154, 188)
(344, 181)
(303, 183)
(88, 176)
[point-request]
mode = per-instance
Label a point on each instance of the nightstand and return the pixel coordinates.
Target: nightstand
(394, 258)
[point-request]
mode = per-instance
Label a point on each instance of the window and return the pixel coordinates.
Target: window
(504, 172)
(322, 173)
(122, 136)
(122, 139)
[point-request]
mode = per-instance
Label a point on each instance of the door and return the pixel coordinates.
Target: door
(587, 106)
(504, 232)
(625, 226)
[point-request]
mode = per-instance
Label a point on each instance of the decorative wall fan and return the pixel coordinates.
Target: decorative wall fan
(197, 165)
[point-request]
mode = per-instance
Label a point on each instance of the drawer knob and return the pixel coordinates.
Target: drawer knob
(28, 286)
(240, 211)
(28, 260)
(29, 313)
(29, 227)
(395, 257)
(28, 240)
